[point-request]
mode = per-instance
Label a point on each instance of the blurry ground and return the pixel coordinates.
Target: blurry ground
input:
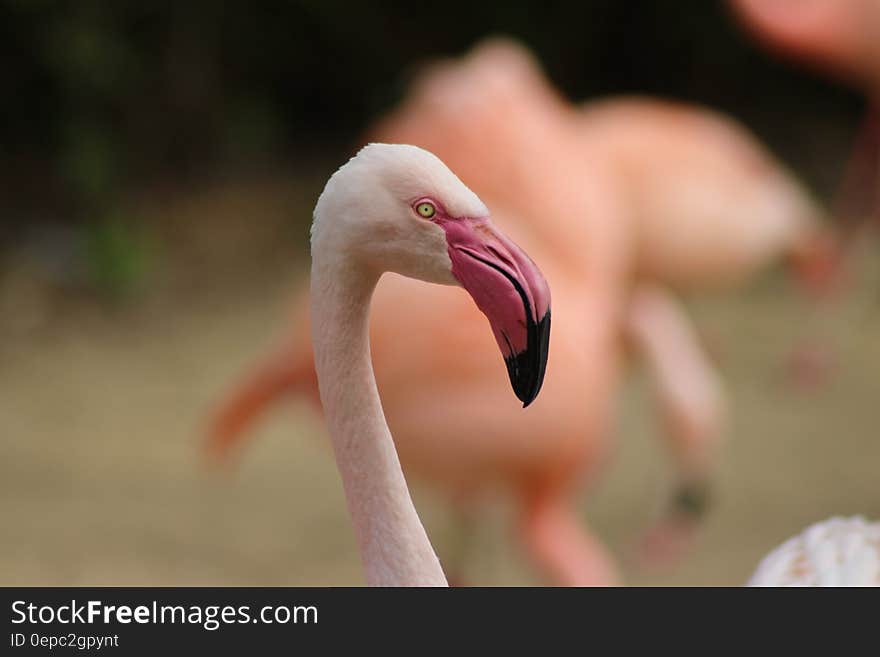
(101, 410)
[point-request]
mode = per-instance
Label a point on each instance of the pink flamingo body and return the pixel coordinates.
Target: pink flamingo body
(701, 204)
(710, 206)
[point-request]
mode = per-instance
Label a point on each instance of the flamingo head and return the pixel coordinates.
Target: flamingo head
(398, 208)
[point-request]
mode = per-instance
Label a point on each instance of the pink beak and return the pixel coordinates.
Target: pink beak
(511, 291)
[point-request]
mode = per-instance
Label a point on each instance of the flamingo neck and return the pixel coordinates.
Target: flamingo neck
(394, 547)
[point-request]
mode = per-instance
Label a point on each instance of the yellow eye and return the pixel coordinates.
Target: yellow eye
(426, 210)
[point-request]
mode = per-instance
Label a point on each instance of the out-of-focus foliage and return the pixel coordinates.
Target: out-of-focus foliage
(117, 255)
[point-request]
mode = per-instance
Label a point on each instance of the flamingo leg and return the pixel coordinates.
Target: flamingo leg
(556, 539)
(858, 199)
(875, 177)
(271, 380)
(689, 394)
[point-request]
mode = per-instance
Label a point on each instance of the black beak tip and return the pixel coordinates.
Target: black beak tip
(527, 368)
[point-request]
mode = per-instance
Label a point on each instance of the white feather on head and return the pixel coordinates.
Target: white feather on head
(365, 212)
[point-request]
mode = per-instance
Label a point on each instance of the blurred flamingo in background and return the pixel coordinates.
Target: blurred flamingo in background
(706, 206)
(841, 37)
(569, 183)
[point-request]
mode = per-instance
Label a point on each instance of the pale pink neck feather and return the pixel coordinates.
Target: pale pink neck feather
(394, 547)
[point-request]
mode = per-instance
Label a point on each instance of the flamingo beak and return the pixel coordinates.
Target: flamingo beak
(513, 294)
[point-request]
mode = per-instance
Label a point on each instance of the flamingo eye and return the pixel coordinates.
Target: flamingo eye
(426, 209)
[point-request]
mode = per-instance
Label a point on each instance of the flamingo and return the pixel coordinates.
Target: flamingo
(842, 38)
(398, 208)
(836, 552)
(706, 207)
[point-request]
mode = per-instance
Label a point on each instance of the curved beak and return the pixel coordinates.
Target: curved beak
(513, 294)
